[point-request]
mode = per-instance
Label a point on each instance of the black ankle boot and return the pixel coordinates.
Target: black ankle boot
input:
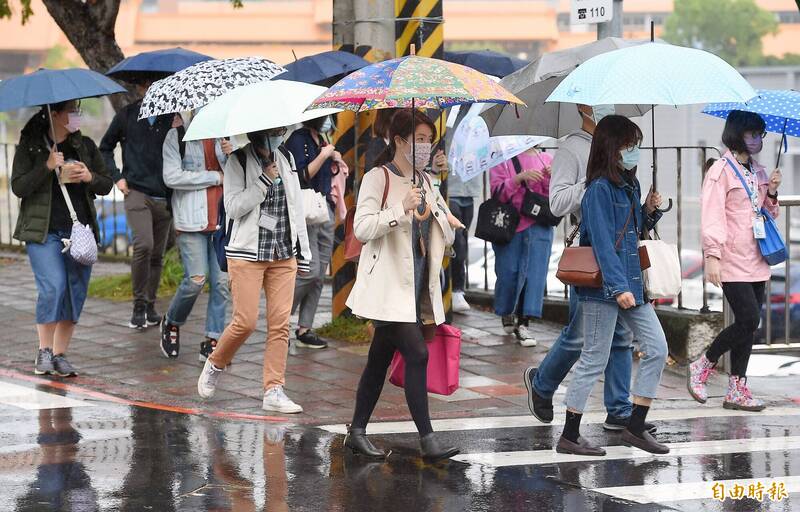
(432, 451)
(356, 440)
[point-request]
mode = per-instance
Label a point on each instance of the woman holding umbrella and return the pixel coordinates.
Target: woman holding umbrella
(731, 225)
(397, 286)
(52, 149)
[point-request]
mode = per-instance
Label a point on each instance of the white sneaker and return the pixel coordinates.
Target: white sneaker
(524, 336)
(460, 304)
(207, 383)
(276, 400)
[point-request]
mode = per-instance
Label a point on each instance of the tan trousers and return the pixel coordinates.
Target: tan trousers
(247, 278)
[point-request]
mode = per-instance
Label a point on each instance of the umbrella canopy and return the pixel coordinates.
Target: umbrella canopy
(322, 67)
(197, 85)
(48, 86)
(506, 147)
(779, 109)
(155, 63)
(486, 61)
(412, 82)
(255, 107)
(536, 81)
(653, 73)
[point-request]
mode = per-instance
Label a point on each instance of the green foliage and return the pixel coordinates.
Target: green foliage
(6, 10)
(118, 287)
(730, 29)
(346, 328)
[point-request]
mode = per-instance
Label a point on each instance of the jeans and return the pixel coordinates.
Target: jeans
(521, 266)
(61, 282)
(462, 208)
(566, 351)
(746, 300)
(150, 222)
(600, 322)
(308, 288)
(200, 260)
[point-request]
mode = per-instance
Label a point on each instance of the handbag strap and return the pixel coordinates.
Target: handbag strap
(571, 238)
(67, 199)
(744, 183)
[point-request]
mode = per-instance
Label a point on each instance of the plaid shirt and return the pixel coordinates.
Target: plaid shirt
(275, 245)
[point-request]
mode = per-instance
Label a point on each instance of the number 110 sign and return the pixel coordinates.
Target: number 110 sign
(590, 11)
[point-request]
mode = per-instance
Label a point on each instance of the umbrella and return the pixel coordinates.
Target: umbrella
(197, 85)
(486, 61)
(506, 147)
(158, 63)
(536, 81)
(48, 86)
(322, 67)
(780, 110)
(255, 107)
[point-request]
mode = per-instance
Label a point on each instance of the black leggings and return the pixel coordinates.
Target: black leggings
(746, 300)
(408, 339)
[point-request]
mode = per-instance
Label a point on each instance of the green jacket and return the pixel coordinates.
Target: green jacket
(31, 180)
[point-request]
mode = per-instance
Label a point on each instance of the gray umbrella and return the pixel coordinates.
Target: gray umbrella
(534, 83)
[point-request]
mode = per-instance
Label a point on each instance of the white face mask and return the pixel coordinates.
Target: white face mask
(421, 153)
(73, 123)
(239, 141)
(327, 125)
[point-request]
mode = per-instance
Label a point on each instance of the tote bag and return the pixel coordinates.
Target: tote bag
(315, 207)
(444, 358)
(663, 279)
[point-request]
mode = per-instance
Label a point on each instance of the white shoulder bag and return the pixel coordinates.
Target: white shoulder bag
(663, 279)
(315, 207)
(81, 243)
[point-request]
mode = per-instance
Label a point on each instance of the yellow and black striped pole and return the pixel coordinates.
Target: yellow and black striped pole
(420, 23)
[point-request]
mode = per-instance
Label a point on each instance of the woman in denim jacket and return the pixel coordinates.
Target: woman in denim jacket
(612, 224)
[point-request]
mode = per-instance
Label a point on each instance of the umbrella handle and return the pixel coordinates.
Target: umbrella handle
(424, 215)
(668, 208)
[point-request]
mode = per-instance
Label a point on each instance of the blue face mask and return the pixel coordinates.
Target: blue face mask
(601, 111)
(327, 125)
(630, 158)
(275, 141)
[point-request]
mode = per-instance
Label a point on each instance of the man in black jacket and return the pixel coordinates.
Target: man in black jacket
(141, 182)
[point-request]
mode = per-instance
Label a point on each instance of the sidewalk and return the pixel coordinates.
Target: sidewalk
(117, 360)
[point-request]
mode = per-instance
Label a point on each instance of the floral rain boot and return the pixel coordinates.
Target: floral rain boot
(739, 396)
(699, 372)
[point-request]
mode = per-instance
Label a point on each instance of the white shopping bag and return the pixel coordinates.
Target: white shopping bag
(663, 279)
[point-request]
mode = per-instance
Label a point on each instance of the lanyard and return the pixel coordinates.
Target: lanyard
(753, 193)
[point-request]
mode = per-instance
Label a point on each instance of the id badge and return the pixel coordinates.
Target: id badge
(268, 222)
(759, 231)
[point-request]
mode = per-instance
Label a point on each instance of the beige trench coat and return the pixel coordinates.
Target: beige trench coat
(384, 287)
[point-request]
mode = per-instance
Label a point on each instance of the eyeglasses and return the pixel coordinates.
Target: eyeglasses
(632, 145)
(756, 134)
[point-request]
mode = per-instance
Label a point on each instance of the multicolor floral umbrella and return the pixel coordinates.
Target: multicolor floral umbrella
(412, 81)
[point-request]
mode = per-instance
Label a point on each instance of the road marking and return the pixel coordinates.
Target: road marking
(717, 447)
(33, 399)
(455, 424)
(661, 493)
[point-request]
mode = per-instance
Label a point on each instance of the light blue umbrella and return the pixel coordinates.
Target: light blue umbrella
(656, 74)
(780, 110)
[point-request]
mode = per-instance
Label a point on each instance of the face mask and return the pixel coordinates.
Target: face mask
(753, 144)
(421, 156)
(327, 125)
(601, 111)
(630, 158)
(74, 123)
(274, 141)
(238, 141)
(187, 116)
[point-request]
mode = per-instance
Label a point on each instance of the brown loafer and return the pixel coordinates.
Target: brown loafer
(582, 447)
(647, 442)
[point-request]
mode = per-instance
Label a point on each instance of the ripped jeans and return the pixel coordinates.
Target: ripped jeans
(200, 265)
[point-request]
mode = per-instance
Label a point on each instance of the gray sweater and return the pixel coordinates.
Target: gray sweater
(567, 183)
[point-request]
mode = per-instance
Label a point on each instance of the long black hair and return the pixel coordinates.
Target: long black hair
(612, 135)
(402, 125)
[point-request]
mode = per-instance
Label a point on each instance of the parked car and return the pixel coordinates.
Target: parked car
(777, 305)
(114, 234)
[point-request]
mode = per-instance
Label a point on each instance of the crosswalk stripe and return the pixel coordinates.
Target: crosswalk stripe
(661, 493)
(455, 424)
(33, 399)
(717, 447)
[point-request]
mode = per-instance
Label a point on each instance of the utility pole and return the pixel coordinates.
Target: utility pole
(374, 26)
(612, 28)
(343, 27)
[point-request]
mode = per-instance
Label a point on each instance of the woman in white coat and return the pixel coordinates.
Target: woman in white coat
(397, 285)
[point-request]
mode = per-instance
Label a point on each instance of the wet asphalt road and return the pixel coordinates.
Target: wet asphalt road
(94, 455)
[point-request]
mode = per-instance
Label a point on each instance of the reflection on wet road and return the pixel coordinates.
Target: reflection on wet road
(64, 453)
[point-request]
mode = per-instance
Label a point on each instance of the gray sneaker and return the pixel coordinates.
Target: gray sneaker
(207, 383)
(44, 362)
(62, 367)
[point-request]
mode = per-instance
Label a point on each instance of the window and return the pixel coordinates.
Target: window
(788, 16)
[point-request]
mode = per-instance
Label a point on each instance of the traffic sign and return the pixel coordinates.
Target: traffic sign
(584, 12)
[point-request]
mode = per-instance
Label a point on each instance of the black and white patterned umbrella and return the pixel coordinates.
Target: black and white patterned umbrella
(197, 85)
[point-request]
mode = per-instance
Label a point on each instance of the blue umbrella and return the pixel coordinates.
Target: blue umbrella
(780, 110)
(487, 62)
(322, 67)
(47, 86)
(157, 63)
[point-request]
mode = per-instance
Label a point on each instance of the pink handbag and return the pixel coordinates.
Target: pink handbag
(444, 357)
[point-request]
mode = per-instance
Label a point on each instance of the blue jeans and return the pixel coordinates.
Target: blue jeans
(521, 266)
(200, 259)
(600, 322)
(61, 282)
(566, 351)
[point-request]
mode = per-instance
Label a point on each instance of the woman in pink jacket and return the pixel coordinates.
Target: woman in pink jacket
(730, 224)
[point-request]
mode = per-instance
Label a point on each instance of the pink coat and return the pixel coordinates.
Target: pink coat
(727, 222)
(514, 193)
